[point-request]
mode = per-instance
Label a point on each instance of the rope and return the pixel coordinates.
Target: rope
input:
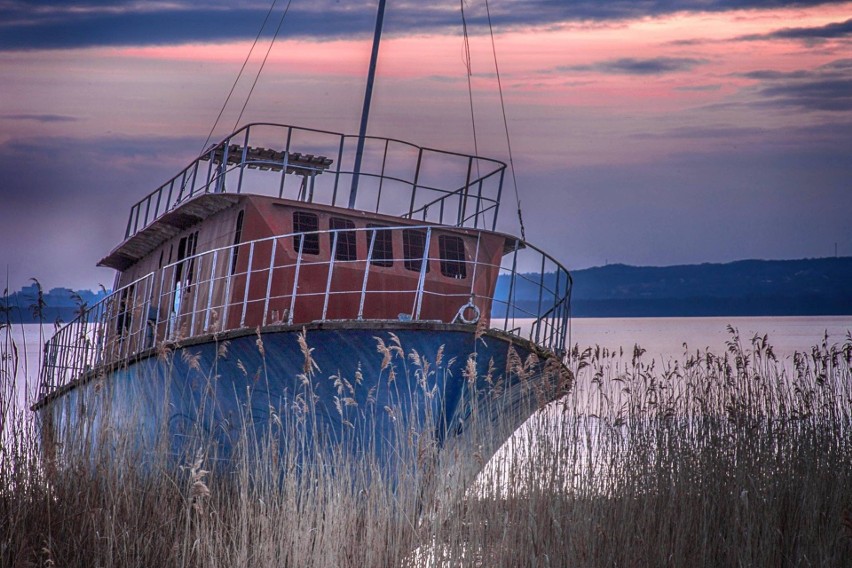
(505, 124)
(469, 74)
(240, 74)
(263, 63)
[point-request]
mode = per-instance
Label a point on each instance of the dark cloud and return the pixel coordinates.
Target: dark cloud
(830, 31)
(633, 66)
(822, 94)
(772, 74)
(51, 24)
(704, 133)
(826, 88)
(111, 23)
(40, 117)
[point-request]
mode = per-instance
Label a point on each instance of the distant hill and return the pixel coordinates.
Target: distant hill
(821, 286)
(59, 304)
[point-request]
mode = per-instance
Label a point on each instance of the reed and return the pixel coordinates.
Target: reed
(733, 458)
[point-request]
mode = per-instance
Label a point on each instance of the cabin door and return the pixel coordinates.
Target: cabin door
(182, 285)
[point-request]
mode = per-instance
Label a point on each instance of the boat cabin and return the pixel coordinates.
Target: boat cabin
(276, 226)
(223, 264)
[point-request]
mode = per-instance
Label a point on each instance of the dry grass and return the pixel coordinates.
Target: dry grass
(714, 459)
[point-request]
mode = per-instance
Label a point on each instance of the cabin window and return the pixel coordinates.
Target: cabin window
(452, 256)
(345, 238)
(238, 234)
(413, 246)
(304, 222)
(125, 309)
(382, 247)
(187, 247)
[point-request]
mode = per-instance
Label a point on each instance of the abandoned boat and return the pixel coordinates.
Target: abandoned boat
(353, 282)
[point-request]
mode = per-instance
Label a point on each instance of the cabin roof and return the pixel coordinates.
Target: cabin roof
(167, 226)
(197, 209)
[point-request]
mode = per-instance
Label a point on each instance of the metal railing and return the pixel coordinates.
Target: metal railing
(396, 178)
(255, 284)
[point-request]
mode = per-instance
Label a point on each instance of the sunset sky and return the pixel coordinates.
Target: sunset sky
(646, 133)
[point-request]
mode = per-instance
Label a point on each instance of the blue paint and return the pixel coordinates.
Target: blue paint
(202, 394)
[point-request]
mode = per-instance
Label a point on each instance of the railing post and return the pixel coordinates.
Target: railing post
(478, 205)
(509, 304)
(210, 290)
(330, 273)
(129, 222)
(169, 197)
(243, 161)
(414, 184)
(159, 294)
(194, 288)
(269, 278)
(182, 185)
(159, 199)
(382, 175)
(136, 221)
(540, 294)
(367, 273)
(566, 310)
(463, 194)
(285, 161)
(337, 170)
(497, 203)
(421, 280)
(194, 177)
(296, 281)
(129, 314)
(100, 332)
(557, 310)
(82, 338)
(227, 297)
(144, 322)
(248, 282)
(210, 169)
(147, 210)
(475, 263)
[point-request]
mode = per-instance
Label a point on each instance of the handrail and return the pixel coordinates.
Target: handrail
(419, 177)
(164, 305)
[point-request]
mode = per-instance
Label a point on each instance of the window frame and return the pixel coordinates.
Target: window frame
(413, 259)
(347, 243)
(383, 237)
(312, 241)
(452, 265)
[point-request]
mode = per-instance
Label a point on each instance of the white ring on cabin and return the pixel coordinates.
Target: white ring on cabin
(460, 315)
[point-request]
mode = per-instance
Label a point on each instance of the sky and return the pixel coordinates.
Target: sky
(645, 133)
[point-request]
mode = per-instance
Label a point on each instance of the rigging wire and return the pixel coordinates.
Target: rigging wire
(263, 63)
(469, 73)
(240, 74)
(505, 123)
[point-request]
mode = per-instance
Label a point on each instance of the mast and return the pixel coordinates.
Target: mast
(365, 112)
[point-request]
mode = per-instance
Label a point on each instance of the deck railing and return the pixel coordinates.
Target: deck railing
(396, 178)
(210, 293)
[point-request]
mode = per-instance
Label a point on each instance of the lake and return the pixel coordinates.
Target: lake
(662, 338)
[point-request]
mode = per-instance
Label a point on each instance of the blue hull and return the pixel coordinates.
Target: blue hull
(361, 386)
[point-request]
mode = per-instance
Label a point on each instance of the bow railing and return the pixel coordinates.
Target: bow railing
(316, 166)
(252, 284)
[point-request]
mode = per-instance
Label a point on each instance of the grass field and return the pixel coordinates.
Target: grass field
(714, 459)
